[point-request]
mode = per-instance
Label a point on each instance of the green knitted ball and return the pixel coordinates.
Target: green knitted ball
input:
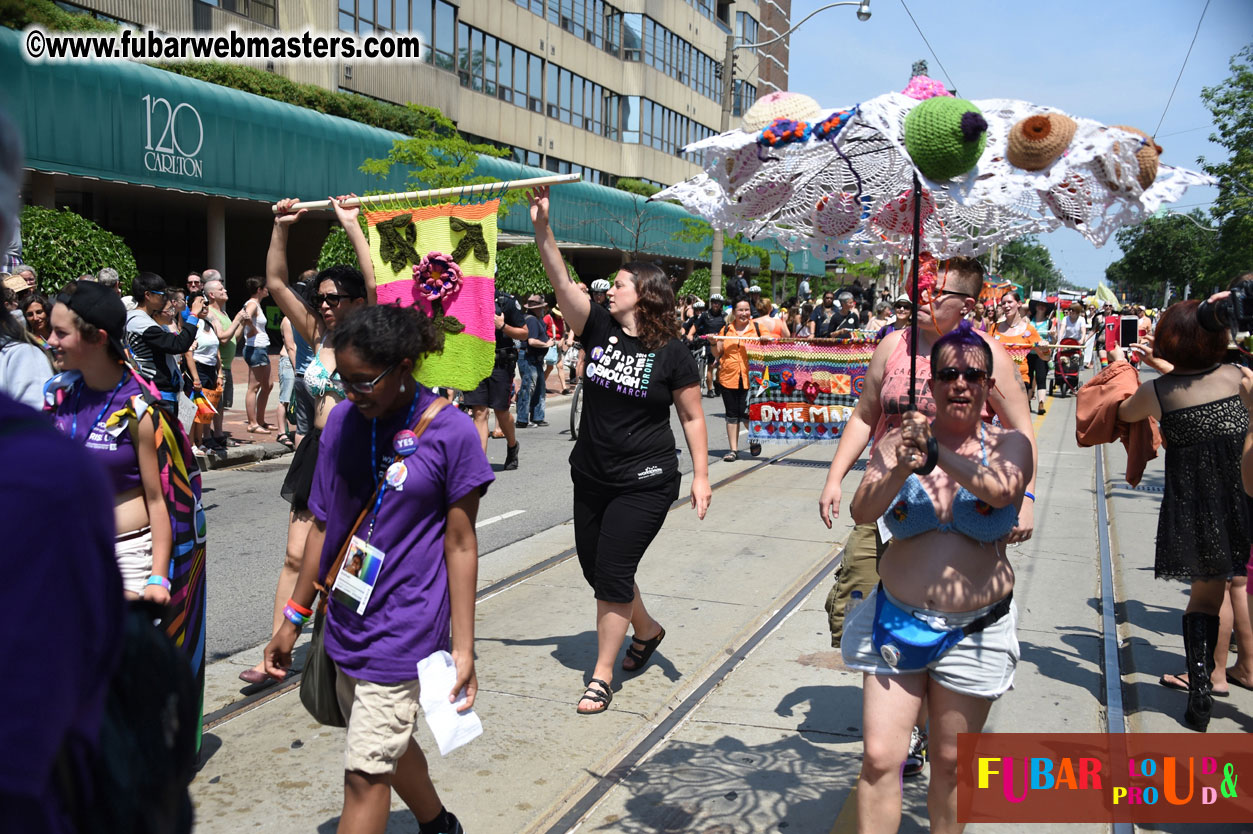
(945, 136)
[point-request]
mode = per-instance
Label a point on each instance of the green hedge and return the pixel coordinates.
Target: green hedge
(62, 245)
(697, 284)
(18, 14)
(520, 272)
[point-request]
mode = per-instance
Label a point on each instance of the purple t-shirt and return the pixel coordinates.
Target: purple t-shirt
(65, 602)
(112, 447)
(409, 615)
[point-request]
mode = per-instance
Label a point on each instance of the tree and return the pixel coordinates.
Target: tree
(736, 249)
(644, 189)
(1027, 263)
(438, 156)
(1169, 248)
(62, 245)
(625, 229)
(1231, 104)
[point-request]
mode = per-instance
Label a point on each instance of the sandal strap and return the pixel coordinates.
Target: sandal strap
(590, 694)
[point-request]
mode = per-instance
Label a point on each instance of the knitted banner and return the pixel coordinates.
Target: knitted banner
(807, 390)
(442, 258)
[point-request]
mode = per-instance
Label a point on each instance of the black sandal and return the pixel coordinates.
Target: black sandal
(604, 697)
(642, 656)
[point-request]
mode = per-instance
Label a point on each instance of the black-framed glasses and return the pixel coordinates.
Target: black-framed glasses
(975, 376)
(368, 387)
(332, 299)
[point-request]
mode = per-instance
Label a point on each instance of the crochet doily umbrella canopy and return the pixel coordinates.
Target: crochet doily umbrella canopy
(839, 182)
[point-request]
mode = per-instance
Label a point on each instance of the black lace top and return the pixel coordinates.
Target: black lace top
(1202, 529)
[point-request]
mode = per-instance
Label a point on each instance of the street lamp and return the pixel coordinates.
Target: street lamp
(728, 89)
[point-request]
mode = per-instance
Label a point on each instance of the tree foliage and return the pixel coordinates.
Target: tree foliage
(18, 14)
(1231, 104)
(520, 272)
(737, 250)
(697, 283)
(1169, 248)
(62, 245)
(336, 250)
(1029, 264)
(634, 186)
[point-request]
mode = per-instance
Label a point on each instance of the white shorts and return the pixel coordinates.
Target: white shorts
(980, 665)
(133, 552)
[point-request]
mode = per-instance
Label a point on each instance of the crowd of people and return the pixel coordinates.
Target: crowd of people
(381, 549)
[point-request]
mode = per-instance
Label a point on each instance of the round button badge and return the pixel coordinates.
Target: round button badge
(406, 443)
(891, 654)
(397, 473)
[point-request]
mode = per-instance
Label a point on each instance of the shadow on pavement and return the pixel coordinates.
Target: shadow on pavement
(578, 652)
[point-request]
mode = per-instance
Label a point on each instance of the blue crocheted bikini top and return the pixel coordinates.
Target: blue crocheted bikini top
(914, 512)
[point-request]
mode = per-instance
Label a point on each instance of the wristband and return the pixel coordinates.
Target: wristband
(1029, 495)
(933, 457)
(298, 608)
(158, 580)
(294, 617)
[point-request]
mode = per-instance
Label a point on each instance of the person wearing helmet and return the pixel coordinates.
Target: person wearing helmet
(708, 322)
(600, 289)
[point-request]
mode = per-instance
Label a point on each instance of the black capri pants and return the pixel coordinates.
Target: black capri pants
(735, 404)
(1037, 371)
(613, 528)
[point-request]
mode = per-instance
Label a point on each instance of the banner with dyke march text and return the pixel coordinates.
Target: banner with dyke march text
(800, 390)
(442, 259)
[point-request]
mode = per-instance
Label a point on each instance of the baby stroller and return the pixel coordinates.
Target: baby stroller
(1067, 360)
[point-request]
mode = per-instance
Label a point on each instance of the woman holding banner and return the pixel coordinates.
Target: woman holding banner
(625, 472)
(941, 623)
(732, 358)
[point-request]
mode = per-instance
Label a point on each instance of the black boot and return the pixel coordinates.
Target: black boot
(511, 456)
(1200, 633)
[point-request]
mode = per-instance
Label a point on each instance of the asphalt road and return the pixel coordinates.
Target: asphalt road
(247, 520)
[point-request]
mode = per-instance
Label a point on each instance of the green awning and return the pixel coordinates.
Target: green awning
(128, 122)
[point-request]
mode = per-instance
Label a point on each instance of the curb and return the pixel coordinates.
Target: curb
(240, 455)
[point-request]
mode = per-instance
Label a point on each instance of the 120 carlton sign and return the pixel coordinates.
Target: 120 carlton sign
(174, 136)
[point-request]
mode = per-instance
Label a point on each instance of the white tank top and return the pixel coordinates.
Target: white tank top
(1072, 329)
(257, 336)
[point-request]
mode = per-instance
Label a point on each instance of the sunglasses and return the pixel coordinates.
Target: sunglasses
(975, 376)
(903, 306)
(331, 299)
(368, 387)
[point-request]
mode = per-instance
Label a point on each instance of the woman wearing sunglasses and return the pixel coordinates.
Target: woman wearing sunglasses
(940, 625)
(405, 589)
(338, 292)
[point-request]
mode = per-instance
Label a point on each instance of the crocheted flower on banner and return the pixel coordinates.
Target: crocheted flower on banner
(783, 131)
(437, 275)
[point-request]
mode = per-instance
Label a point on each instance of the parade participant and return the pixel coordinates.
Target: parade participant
(847, 319)
(825, 316)
(709, 322)
(1014, 329)
(732, 358)
(885, 397)
(941, 623)
(94, 395)
(494, 392)
(420, 505)
(36, 309)
(24, 367)
(339, 291)
(902, 308)
(257, 356)
(600, 292)
(532, 392)
(1205, 408)
(623, 466)
(800, 323)
(155, 347)
(882, 317)
(770, 324)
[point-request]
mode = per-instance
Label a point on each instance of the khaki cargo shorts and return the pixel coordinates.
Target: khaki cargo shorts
(382, 718)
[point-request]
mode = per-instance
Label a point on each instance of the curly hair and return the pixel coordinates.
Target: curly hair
(386, 334)
(655, 324)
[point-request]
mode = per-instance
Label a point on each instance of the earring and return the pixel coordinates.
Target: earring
(403, 388)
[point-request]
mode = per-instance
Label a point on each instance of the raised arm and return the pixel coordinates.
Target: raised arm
(352, 227)
(575, 305)
(306, 321)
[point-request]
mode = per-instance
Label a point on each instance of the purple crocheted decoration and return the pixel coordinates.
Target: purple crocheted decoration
(784, 131)
(437, 275)
(973, 124)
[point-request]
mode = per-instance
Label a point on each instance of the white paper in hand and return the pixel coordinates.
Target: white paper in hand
(437, 675)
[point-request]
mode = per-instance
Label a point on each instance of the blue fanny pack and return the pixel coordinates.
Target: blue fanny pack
(908, 641)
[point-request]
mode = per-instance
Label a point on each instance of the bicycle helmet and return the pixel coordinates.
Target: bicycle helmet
(600, 285)
(716, 297)
(699, 305)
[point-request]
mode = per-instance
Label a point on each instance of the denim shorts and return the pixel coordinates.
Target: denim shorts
(980, 665)
(256, 357)
(286, 379)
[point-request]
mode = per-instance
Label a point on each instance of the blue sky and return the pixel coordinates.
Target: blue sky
(1109, 60)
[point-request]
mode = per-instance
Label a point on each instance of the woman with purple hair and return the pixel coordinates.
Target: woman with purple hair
(941, 624)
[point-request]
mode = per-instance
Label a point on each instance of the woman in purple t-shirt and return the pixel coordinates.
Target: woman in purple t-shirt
(87, 325)
(408, 577)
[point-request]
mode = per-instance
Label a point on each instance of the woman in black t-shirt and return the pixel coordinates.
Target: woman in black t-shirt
(623, 466)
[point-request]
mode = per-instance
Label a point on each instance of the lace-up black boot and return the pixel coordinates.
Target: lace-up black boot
(1200, 633)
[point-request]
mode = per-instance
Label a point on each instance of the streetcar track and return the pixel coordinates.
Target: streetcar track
(257, 699)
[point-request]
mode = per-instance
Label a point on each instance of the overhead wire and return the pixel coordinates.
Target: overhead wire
(940, 63)
(1181, 69)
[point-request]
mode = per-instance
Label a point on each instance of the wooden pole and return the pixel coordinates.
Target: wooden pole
(459, 191)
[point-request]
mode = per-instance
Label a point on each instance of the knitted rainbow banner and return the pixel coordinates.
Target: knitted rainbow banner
(442, 258)
(805, 390)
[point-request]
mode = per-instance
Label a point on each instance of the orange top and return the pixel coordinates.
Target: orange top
(1030, 337)
(733, 365)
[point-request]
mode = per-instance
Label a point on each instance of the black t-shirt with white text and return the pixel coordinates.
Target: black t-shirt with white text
(624, 435)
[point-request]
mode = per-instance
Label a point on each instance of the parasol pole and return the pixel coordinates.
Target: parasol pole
(913, 318)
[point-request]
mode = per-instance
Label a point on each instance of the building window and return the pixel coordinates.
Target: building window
(632, 36)
(746, 28)
(444, 42)
(743, 98)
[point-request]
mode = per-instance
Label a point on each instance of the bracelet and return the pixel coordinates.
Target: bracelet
(158, 580)
(297, 607)
(294, 617)
(1029, 495)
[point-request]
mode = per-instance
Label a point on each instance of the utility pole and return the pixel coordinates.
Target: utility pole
(728, 89)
